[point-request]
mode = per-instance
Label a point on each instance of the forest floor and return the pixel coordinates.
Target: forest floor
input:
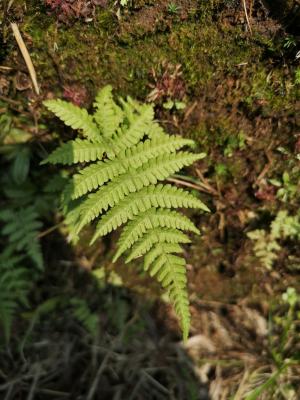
(230, 79)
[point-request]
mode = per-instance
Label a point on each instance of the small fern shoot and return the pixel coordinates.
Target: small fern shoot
(124, 158)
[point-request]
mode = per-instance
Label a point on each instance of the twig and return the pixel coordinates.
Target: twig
(51, 229)
(26, 56)
(247, 17)
(188, 184)
(94, 385)
(11, 101)
(190, 110)
(52, 392)
(267, 166)
(5, 68)
(10, 3)
(34, 384)
(205, 184)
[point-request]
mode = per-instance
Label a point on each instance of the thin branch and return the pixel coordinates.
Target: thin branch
(190, 185)
(51, 229)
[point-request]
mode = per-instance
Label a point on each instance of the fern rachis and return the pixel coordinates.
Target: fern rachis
(128, 154)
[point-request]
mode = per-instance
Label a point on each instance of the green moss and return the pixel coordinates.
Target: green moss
(125, 58)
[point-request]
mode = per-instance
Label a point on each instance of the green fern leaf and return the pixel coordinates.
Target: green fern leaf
(83, 314)
(144, 151)
(157, 250)
(75, 117)
(133, 154)
(150, 219)
(156, 236)
(164, 196)
(21, 227)
(170, 270)
(95, 175)
(177, 291)
(108, 114)
(138, 128)
(14, 288)
(76, 151)
(156, 132)
(150, 173)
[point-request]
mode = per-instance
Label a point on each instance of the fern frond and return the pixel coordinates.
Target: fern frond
(133, 154)
(164, 196)
(108, 114)
(75, 117)
(150, 219)
(95, 175)
(14, 287)
(21, 227)
(84, 315)
(153, 171)
(76, 151)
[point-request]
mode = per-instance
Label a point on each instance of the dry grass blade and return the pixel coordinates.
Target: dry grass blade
(26, 56)
(247, 16)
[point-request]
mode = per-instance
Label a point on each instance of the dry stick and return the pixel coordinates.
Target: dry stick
(200, 186)
(247, 17)
(101, 368)
(11, 101)
(10, 4)
(49, 230)
(34, 384)
(188, 184)
(26, 56)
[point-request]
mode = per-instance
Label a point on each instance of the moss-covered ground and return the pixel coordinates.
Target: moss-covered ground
(240, 83)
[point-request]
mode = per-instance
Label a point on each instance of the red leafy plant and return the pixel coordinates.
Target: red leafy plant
(67, 10)
(168, 83)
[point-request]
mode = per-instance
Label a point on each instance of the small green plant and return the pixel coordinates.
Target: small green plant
(173, 8)
(234, 143)
(279, 379)
(267, 245)
(176, 104)
(128, 153)
(289, 42)
(287, 189)
(125, 3)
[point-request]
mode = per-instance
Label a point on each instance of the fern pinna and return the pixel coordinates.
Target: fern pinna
(128, 153)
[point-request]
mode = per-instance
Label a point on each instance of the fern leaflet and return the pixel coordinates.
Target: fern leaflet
(108, 114)
(14, 288)
(153, 218)
(156, 235)
(75, 117)
(164, 196)
(150, 173)
(21, 227)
